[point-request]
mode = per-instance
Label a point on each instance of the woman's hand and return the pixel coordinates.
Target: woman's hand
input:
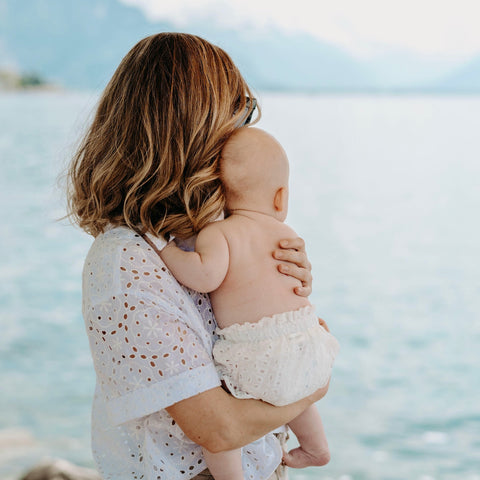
(323, 324)
(319, 394)
(292, 251)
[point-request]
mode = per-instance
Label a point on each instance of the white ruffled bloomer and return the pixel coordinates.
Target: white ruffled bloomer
(279, 359)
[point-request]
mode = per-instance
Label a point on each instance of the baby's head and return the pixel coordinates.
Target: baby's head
(254, 172)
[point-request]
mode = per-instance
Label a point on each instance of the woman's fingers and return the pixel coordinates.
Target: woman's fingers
(292, 252)
(320, 393)
(298, 257)
(323, 324)
(299, 273)
(295, 243)
(303, 291)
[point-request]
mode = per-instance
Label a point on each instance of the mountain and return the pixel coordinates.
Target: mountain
(79, 43)
(275, 60)
(74, 43)
(466, 79)
(403, 69)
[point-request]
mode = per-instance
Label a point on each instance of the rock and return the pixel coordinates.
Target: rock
(60, 470)
(15, 438)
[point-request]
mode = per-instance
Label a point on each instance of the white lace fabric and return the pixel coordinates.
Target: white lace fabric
(151, 341)
(279, 359)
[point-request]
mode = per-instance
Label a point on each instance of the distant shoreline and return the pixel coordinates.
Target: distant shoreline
(11, 81)
(372, 91)
(14, 81)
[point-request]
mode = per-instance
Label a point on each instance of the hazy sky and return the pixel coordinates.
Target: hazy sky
(443, 28)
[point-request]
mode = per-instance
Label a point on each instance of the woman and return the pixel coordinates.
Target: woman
(148, 170)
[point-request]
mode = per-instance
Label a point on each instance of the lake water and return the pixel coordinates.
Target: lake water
(385, 191)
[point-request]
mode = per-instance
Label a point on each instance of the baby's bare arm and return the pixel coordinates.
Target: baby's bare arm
(204, 269)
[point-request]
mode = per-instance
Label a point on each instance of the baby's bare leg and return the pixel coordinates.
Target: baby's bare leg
(225, 465)
(313, 450)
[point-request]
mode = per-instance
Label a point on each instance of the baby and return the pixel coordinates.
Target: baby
(270, 345)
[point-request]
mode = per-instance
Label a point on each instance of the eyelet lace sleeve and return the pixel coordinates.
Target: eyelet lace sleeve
(150, 345)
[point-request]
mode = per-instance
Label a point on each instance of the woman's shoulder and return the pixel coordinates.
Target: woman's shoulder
(122, 260)
(126, 237)
(123, 242)
(123, 273)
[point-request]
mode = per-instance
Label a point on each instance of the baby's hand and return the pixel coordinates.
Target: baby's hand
(171, 244)
(169, 252)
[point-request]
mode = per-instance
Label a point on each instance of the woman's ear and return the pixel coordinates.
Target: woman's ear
(280, 201)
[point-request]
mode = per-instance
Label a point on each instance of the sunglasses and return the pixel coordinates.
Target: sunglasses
(250, 107)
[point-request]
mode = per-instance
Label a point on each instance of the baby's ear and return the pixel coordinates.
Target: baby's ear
(280, 201)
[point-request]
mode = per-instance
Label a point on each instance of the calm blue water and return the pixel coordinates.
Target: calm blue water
(385, 190)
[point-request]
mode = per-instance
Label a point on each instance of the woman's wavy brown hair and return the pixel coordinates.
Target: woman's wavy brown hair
(150, 159)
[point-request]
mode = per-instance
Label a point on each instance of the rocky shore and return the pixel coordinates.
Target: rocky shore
(58, 469)
(24, 457)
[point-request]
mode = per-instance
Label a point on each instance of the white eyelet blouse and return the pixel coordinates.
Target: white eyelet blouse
(151, 341)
